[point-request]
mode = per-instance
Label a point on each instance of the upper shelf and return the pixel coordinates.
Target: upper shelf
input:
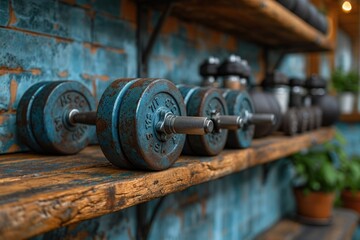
(261, 21)
(40, 193)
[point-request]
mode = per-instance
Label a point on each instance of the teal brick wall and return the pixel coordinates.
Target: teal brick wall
(93, 42)
(238, 206)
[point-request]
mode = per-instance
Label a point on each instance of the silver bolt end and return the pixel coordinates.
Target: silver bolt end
(241, 122)
(71, 115)
(208, 126)
(213, 60)
(272, 119)
(234, 58)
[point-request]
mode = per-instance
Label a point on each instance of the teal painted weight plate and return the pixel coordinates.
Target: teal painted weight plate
(238, 104)
(140, 112)
(49, 119)
(24, 110)
(108, 116)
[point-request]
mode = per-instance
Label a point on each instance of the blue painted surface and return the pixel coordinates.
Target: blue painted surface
(53, 18)
(351, 133)
(238, 206)
(4, 12)
(94, 42)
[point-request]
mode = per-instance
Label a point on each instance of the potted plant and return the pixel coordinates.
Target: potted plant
(347, 85)
(317, 179)
(350, 195)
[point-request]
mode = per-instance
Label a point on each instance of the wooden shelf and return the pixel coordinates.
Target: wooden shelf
(350, 118)
(261, 21)
(343, 226)
(40, 193)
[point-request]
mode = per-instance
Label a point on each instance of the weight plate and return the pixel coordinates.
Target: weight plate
(318, 114)
(239, 103)
(330, 109)
(108, 119)
(24, 130)
(290, 122)
(49, 119)
(186, 92)
(266, 103)
(303, 119)
(202, 103)
(312, 119)
(140, 112)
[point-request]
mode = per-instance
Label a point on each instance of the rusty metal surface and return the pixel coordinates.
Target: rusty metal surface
(205, 102)
(23, 117)
(239, 103)
(49, 114)
(128, 136)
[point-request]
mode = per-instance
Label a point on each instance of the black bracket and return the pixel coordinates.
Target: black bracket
(144, 51)
(143, 227)
(279, 60)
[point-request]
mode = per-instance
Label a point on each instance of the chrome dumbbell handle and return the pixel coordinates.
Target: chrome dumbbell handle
(261, 118)
(238, 122)
(75, 117)
(170, 124)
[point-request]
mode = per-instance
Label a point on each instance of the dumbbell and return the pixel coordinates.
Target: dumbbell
(238, 119)
(317, 96)
(277, 84)
(208, 70)
(296, 100)
(318, 116)
(303, 119)
(140, 123)
(240, 104)
(235, 72)
(266, 103)
(290, 123)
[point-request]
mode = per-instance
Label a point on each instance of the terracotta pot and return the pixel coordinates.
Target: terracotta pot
(317, 205)
(351, 200)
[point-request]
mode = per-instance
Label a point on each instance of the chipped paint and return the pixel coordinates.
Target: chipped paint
(63, 74)
(13, 91)
(93, 41)
(12, 19)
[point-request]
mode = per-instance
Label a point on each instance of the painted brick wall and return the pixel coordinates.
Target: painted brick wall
(93, 41)
(238, 206)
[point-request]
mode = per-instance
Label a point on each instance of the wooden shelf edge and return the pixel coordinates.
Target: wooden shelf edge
(289, 32)
(350, 118)
(292, 23)
(85, 186)
(343, 225)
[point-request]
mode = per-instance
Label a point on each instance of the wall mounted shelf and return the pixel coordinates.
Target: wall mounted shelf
(350, 118)
(342, 227)
(40, 193)
(265, 22)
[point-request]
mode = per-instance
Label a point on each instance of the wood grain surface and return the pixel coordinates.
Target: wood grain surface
(342, 227)
(39, 193)
(261, 21)
(350, 118)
